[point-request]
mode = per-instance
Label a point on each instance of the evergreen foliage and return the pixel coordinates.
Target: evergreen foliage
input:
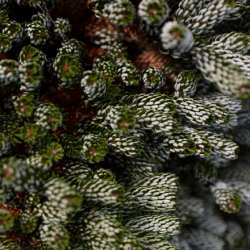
(124, 125)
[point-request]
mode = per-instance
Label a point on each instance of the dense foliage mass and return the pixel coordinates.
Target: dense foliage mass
(124, 125)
